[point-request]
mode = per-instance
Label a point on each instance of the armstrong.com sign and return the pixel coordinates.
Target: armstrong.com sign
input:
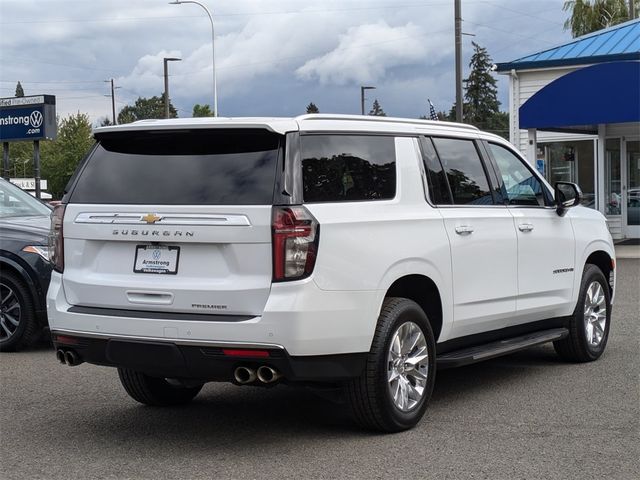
(28, 118)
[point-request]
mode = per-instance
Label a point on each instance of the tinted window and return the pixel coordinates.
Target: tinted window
(521, 186)
(15, 202)
(436, 177)
(348, 168)
(232, 167)
(466, 175)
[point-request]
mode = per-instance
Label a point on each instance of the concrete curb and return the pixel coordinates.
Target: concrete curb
(627, 251)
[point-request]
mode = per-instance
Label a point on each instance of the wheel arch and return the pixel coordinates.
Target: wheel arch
(604, 262)
(424, 291)
(8, 264)
(426, 283)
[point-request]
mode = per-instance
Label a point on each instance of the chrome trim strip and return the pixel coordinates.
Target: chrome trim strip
(190, 219)
(176, 341)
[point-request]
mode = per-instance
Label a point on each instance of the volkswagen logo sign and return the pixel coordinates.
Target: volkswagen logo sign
(35, 119)
(156, 254)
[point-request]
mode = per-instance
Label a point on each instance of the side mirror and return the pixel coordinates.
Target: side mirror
(567, 195)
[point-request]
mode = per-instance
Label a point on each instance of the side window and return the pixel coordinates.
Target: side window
(464, 170)
(436, 177)
(521, 186)
(348, 168)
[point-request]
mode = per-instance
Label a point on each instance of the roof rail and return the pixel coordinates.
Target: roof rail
(372, 118)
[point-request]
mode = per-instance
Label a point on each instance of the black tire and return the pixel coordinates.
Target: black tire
(576, 347)
(369, 395)
(18, 305)
(155, 392)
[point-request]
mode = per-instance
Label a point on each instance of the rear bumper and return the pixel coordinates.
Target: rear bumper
(203, 361)
(298, 316)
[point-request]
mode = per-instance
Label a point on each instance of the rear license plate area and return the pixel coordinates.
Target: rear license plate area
(157, 259)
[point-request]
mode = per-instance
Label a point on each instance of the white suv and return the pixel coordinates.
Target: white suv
(323, 249)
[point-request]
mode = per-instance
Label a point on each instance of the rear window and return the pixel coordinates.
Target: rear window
(348, 168)
(201, 167)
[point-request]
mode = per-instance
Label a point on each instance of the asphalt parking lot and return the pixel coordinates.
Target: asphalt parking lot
(524, 416)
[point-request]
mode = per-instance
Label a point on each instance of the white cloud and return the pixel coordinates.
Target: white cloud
(273, 56)
(366, 52)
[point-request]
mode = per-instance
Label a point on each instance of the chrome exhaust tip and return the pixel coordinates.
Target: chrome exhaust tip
(60, 356)
(268, 374)
(244, 375)
(72, 358)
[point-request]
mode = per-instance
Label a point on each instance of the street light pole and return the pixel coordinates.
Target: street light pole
(113, 101)
(213, 49)
(458, 48)
(166, 83)
(362, 89)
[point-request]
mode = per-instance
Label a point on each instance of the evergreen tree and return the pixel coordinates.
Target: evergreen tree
(145, 108)
(591, 15)
(312, 108)
(481, 92)
(201, 111)
(19, 90)
(376, 109)
(105, 122)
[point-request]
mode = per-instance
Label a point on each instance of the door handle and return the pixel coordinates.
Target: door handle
(525, 227)
(464, 230)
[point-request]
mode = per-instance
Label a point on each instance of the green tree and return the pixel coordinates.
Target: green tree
(19, 90)
(145, 108)
(376, 109)
(105, 122)
(312, 108)
(61, 156)
(591, 15)
(201, 111)
(481, 91)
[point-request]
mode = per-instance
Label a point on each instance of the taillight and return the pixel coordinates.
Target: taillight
(56, 238)
(295, 243)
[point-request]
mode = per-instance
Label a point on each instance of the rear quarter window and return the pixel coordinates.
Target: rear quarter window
(186, 167)
(346, 168)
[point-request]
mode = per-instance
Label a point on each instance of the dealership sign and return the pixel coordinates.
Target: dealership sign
(28, 183)
(28, 118)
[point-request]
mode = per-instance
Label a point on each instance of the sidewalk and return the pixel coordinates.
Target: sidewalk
(627, 251)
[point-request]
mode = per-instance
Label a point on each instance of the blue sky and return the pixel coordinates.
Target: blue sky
(272, 57)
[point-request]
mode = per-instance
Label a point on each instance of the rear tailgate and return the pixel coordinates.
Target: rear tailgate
(173, 222)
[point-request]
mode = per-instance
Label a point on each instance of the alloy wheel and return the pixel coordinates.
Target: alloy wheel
(407, 366)
(10, 312)
(595, 314)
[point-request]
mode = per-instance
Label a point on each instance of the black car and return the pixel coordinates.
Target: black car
(25, 270)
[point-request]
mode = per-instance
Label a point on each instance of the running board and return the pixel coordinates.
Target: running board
(457, 358)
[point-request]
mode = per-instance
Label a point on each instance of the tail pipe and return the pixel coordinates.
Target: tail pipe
(268, 375)
(71, 358)
(244, 375)
(60, 356)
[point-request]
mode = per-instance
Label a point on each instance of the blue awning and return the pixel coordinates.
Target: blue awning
(603, 93)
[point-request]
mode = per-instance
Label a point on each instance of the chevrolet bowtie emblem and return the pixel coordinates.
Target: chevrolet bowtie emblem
(151, 218)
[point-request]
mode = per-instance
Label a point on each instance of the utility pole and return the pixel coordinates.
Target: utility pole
(166, 84)
(632, 13)
(113, 101)
(362, 89)
(458, 30)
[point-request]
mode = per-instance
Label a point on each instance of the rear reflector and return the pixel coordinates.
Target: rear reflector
(245, 353)
(66, 340)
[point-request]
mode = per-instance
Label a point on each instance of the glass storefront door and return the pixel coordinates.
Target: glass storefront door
(572, 161)
(633, 189)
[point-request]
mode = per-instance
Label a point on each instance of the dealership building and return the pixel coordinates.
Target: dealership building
(575, 114)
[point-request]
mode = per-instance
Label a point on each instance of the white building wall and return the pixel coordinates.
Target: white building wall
(523, 85)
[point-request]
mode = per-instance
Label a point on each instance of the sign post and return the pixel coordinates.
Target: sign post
(30, 118)
(5, 160)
